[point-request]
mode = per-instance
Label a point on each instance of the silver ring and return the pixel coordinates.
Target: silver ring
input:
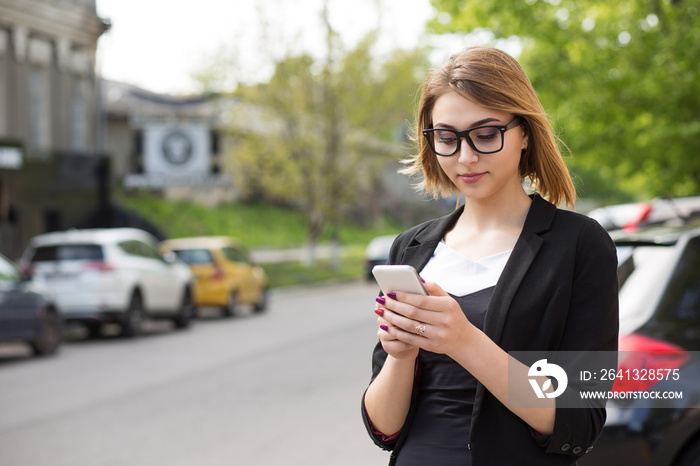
(420, 329)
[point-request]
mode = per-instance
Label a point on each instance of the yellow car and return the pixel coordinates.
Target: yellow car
(225, 276)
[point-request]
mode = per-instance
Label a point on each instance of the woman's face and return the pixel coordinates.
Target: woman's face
(479, 176)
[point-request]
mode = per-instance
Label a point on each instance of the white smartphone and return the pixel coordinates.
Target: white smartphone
(398, 278)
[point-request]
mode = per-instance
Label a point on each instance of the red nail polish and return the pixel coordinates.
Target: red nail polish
(381, 300)
(392, 296)
(421, 279)
(384, 327)
(379, 312)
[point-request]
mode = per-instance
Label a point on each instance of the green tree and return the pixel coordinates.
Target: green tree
(619, 79)
(318, 134)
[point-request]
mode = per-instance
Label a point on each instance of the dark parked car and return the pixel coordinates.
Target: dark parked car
(629, 217)
(27, 315)
(659, 270)
(377, 253)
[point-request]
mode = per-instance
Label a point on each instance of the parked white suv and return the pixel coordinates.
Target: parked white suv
(110, 275)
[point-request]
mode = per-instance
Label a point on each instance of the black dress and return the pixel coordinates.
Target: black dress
(439, 433)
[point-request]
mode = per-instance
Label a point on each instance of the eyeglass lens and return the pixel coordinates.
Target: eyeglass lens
(486, 139)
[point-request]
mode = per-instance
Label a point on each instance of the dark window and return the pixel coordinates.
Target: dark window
(214, 142)
(681, 301)
(148, 251)
(137, 154)
(195, 256)
(52, 220)
(68, 252)
(129, 247)
(139, 249)
(235, 255)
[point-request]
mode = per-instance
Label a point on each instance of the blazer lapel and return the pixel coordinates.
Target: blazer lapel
(538, 220)
(423, 246)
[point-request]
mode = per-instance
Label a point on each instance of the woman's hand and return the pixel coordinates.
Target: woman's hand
(445, 329)
(394, 347)
(435, 323)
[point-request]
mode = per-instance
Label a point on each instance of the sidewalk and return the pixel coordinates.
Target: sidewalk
(266, 256)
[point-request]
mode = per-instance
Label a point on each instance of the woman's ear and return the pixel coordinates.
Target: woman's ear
(525, 141)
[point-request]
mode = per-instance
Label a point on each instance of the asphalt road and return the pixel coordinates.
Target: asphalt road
(282, 388)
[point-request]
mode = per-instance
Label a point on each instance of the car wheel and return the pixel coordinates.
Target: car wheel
(94, 329)
(186, 312)
(261, 305)
(51, 335)
(133, 318)
(232, 306)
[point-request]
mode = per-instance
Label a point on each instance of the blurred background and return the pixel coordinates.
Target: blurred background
(282, 124)
(119, 114)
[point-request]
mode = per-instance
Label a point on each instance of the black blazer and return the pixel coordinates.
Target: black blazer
(557, 292)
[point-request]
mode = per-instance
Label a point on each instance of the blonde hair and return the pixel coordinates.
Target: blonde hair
(493, 79)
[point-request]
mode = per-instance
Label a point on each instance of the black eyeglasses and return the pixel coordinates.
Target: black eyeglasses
(483, 139)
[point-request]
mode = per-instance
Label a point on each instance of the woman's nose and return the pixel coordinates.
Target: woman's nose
(467, 155)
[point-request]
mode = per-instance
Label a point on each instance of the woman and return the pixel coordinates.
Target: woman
(506, 272)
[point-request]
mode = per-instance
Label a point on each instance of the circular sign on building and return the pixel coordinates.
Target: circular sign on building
(177, 148)
(182, 148)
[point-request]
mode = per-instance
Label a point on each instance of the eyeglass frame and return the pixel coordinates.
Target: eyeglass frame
(465, 135)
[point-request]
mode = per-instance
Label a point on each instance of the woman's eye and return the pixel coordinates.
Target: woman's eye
(446, 137)
(486, 135)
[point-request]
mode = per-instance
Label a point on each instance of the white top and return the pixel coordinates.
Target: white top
(460, 275)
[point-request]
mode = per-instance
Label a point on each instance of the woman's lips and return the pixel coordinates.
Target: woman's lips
(472, 177)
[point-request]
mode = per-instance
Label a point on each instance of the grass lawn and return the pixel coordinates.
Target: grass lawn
(294, 273)
(260, 226)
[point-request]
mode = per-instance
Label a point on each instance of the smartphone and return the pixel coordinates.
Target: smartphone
(398, 278)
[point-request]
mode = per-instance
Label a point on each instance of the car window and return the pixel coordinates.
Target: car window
(68, 252)
(139, 249)
(235, 255)
(8, 273)
(148, 251)
(195, 256)
(681, 301)
(646, 273)
(131, 248)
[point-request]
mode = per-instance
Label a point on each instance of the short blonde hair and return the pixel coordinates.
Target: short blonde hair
(492, 79)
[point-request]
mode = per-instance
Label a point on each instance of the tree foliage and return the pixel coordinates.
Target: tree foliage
(321, 133)
(620, 81)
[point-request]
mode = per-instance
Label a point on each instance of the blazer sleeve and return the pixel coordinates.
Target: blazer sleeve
(591, 326)
(379, 356)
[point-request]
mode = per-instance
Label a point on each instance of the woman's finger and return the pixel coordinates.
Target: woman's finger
(405, 324)
(420, 308)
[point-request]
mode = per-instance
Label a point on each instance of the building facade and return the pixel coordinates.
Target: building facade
(170, 144)
(52, 171)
